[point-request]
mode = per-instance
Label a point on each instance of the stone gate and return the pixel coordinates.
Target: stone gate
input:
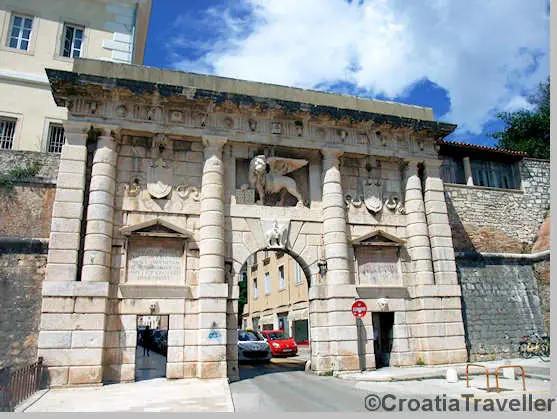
(168, 181)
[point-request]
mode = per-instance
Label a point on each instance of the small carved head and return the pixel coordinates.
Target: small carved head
(383, 304)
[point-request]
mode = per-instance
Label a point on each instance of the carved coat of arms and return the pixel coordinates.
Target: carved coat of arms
(159, 179)
(373, 195)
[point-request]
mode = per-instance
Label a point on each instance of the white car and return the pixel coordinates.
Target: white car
(253, 347)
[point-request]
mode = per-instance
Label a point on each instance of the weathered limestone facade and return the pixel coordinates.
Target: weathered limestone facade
(158, 206)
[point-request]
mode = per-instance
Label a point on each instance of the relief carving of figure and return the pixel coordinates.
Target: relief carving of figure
(266, 174)
(276, 236)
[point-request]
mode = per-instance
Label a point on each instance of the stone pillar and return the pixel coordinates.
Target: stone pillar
(100, 212)
(444, 342)
(468, 171)
(334, 344)
(73, 312)
(440, 236)
(212, 291)
(335, 240)
(416, 228)
(67, 211)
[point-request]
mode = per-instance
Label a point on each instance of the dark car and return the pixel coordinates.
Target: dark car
(253, 347)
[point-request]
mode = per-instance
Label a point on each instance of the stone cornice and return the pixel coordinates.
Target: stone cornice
(66, 84)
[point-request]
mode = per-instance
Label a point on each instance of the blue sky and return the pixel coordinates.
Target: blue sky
(467, 60)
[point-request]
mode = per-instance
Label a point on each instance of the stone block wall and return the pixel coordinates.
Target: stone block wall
(500, 220)
(26, 207)
(25, 217)
(501, 303)
(22, 265)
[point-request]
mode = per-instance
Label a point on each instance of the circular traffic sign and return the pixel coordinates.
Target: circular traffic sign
(359, 309)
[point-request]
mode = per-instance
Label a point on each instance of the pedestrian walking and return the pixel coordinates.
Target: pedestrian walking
(147, 340)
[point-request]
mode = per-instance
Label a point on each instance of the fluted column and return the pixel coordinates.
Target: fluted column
(416, 227)
(212, 290)
(334, 221)
(100, 212)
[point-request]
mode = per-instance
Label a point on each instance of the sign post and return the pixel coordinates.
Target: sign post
(359, 310)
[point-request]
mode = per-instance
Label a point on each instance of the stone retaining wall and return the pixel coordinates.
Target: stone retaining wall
(22, 265)
(500, 301)
(500, 220)
(26, 207)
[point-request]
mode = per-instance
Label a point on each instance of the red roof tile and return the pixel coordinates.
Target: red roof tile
(483, 148)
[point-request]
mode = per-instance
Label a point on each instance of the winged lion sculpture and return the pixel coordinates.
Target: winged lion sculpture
(267, 175)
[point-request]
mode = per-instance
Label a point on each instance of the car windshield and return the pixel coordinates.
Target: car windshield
(244, 335)
(276, 335)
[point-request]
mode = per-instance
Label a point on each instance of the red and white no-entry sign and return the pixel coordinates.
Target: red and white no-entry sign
(359, 309)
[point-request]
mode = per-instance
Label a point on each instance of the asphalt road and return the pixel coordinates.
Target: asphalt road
(283, 385)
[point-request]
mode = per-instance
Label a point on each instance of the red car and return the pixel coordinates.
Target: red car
(279, 343)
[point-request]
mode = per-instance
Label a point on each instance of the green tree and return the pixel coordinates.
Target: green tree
(528, 130)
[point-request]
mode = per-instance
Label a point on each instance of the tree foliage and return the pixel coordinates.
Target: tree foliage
(528, 130)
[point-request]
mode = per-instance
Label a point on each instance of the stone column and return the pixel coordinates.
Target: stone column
(416, 228)
(443, 340)
(72, 324)
(212, 292)
(468, 171)
(335, 240)
(334, 345)
(100, 212)
(67, 211)
(440, 236)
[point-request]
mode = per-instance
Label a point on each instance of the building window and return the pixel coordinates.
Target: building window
(255, 292)
(267, 283)
(20, 32)
(298, 275)
(282, 282)
(493, 174)
(452, 170)
(72, 41)
(7, 131)
(55, 138)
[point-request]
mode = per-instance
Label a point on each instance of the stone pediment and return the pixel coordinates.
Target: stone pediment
(156, 227)
(378, 238)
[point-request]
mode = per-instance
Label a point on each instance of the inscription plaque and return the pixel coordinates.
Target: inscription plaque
(156, 261)
(378, 266)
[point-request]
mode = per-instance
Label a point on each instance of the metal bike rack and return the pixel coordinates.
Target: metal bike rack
(509, 366)
(486, 374)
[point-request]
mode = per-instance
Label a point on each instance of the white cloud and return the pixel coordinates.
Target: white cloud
(481, 51)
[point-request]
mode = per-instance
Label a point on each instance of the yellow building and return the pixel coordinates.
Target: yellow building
(277, 294)
(35, 35)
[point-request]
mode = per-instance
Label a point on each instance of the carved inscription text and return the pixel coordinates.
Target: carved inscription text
(160, 261)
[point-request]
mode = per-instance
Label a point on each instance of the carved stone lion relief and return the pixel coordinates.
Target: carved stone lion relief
(267, 176)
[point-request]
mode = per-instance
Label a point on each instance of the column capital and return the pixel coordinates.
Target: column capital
(75, 127)
(432, 168)
(411, 166)
(331, 154)
(214, 142)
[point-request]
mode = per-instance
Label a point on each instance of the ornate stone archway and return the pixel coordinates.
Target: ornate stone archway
(206, 171)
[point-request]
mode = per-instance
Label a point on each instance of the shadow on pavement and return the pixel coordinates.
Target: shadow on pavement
(252, 369)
